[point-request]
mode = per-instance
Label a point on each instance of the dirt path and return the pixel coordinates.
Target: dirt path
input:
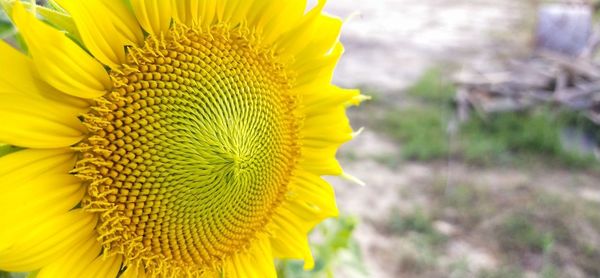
(389, 43)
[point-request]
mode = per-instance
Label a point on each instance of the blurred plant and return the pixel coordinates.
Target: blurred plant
(425, 130)
(422, 131)
(6, 149)
(418, 222)
(432, 87)
(12, 275)
(334, 250)
(519, 233)
(537, 132)
(6, 27)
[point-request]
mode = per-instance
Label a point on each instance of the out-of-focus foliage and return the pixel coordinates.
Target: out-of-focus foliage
(6, 27)
(433, 88)
(422, 131)
(428, 129)
(334, 249)
(6, 149)
(12, 275)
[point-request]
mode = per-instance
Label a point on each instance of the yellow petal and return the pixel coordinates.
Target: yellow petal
(321, 161)
(208, 12)
(153, 15)
(37, 161)
(311, 192)
(290, 239)
(321, 135)
(134, 272)
(256, 262)
(285, 18)
(195, 12)
(35, 187)
(22, 78)
(28, 204)
(61, 62)
(103, 267)
(234, 12)
(33, 123)
(75, 261)
(44, 243)
(320, 69)
(325, 39)
(320, 98)
(19, 78)
(298, 37)
(186, 11)
(106, 28)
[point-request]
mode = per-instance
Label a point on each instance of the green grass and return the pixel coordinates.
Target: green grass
(502, 137)
(519, 233)
(518, 224)
(422, 130)
(419, 223)
(502, 272)
(424, 243)
(433, 87)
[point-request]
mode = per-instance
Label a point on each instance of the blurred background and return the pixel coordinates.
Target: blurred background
(480, 148)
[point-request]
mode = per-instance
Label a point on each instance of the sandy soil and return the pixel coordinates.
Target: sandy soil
(390, 42)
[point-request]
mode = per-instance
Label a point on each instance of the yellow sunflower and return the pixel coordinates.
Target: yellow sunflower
(168, 138)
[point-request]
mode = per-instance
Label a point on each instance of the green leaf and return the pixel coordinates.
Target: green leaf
(8, 149)
(12, 275)
(6, 27)
(6, 30)
(52, 15)
(337, 249)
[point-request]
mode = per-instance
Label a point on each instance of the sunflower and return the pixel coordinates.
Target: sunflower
(158, 138)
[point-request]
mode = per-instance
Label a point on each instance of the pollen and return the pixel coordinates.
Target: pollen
(191, 151)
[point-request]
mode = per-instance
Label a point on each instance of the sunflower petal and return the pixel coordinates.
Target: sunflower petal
(23, 79)
(256, 262)
(234, 12)
(153, 15)
(290, 239)
(63, 63)
(186, 11)
(75, 261)
(323, 41)
(28, 164)
(320, 98)
(285, 18)
(134, 272)
(27, 204)
(103, 267)
(208, 12)
(312, 192)
(39, 199)
(295, 40)
(105, 36)
(34, 123)
(320, 69)
(45, 242)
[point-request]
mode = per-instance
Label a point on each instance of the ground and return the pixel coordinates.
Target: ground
(451, 217)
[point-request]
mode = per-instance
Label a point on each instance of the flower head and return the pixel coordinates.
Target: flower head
(168, 138)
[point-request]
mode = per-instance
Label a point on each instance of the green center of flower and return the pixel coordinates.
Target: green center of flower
(192, 150)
